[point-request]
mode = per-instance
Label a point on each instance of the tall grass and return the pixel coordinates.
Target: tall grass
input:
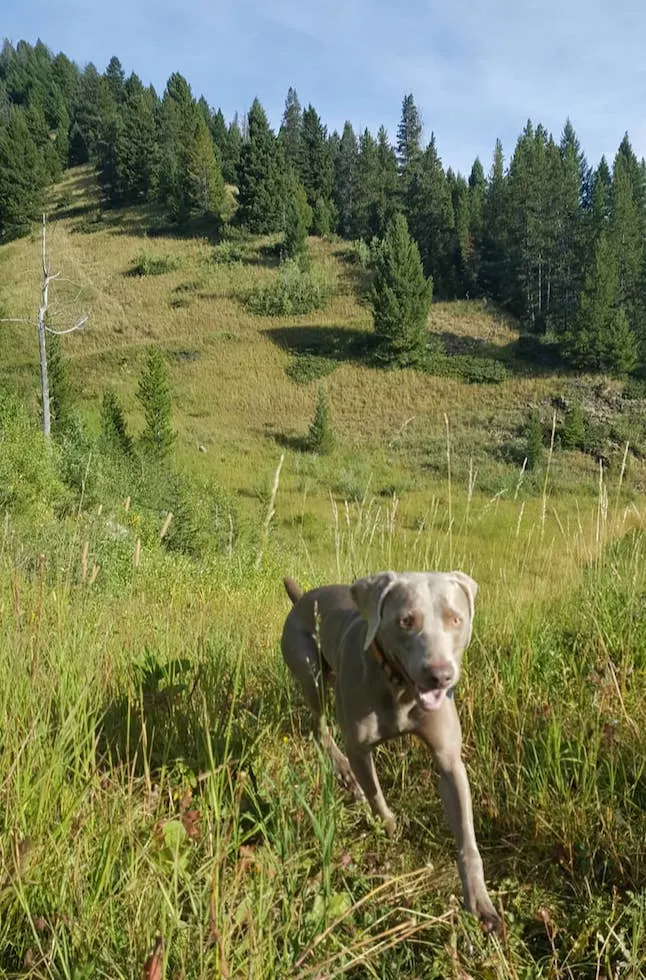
(155, 781)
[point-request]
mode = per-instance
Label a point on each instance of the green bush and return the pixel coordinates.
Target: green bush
(304, 368)
(293, 291)
(466, 367)
(30, 484)
(534, 449)
(148, 264)
(229, 253)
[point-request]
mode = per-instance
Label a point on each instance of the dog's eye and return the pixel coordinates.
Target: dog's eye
(407, 622)
(452, 619)
(456, 621)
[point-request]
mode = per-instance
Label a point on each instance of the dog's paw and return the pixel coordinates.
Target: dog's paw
(390, 825)
(490, 921)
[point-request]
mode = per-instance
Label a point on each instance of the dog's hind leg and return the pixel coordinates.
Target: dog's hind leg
(303, 659)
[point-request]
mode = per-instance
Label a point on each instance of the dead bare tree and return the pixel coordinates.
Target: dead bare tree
(43, 329)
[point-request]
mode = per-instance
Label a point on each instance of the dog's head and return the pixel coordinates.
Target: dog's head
(423, 621)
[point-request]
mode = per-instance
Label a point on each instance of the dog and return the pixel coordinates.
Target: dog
(393, 643)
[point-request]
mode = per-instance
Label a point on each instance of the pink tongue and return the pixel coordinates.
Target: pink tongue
(431, 700)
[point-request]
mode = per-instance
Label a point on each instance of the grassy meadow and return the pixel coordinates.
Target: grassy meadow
(158, 785)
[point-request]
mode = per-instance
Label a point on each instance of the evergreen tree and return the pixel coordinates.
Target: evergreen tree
(315, 163)
(262, 177)
(600, 338)
(534, 450)
(205, 184)
(495, 233)
(116, 79)
(298, 219)
(60, 393)
(231, 157)
(345, 180)
(461, 284)
(409, 135)
(569, 233)
(477, 197)
(431, 219)
(86, 114)
(23, 177)
(291, 127)
(573, 433)
(627, 230)
(367, 182)
(385, 204)
(154, 393)
(401, 297)
(113, 424)
(321, 437)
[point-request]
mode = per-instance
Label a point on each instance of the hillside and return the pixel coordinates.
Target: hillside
(233, 396)
(156, 775)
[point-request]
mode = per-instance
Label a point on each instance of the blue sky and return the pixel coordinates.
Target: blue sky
(477, 68)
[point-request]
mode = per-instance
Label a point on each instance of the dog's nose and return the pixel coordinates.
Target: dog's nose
(438, 675)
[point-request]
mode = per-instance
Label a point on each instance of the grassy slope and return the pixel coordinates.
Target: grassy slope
(552, 702)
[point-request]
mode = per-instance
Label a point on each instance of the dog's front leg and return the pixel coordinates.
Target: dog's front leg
(445, 741)
(363, 766)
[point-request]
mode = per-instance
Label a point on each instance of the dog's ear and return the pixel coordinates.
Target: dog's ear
(368, 594)
(470, 588)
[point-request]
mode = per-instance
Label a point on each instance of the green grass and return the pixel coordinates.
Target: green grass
(156, 774)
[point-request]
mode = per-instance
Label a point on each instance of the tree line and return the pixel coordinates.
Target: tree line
(556, 242)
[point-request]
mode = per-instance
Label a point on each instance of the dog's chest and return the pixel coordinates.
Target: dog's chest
(390, 720)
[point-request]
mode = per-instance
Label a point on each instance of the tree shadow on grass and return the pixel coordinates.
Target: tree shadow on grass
(333, 343)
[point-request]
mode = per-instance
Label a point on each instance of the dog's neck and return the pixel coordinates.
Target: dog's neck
(393, 670)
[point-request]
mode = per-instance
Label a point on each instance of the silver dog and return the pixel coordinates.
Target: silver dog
(394, 642)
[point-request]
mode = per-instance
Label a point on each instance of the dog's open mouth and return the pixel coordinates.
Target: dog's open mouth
(432, 700)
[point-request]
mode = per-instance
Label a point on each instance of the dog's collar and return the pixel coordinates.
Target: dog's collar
(393, 670)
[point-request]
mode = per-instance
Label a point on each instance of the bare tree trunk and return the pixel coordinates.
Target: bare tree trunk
(43, 329)
(42, 349)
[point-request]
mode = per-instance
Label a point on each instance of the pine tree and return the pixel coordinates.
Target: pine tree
(22, 177)
(113, 424)
(314, 162)
(477, 197)
(345, 180)
(386, 203)
(569, 233)
(262, 177)
(298, 219)
(627, 229)
(154, 393)
(231, 157)
(205, 184)
(600, 338)
(60, 393)
(534, 449)
(321, 438)
(401, 297)
(494, 264)
(367, 184)
(573, 434)
(291, 128)
(116, 79)
(409, 135)
(431, 219)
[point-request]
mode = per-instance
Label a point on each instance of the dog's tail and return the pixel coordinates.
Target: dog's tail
(292, 589)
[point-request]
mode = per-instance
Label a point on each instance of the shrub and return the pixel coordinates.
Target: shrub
(228, 253)
(466, 367)
(29, 481)
(148, 264)
(304, 368)
(293, 291)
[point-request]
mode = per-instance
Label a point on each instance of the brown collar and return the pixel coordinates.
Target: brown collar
(393, 670)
